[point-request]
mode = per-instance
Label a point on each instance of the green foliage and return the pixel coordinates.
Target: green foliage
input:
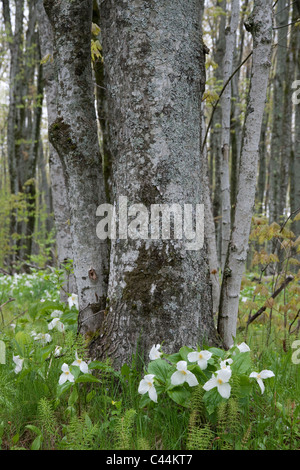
(200, 438)
(124, 429)
(101, 408)
(79, 434)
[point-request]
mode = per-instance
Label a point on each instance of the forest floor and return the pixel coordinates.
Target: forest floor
(102, 408)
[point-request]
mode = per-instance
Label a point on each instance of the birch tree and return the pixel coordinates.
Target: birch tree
(225, 102)
(260, 26)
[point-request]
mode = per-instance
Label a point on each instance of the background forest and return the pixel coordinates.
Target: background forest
(124, 344)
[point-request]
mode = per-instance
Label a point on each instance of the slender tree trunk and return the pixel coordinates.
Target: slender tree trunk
(230, 38)
(215, 141)
(15, 39)
(262, 171)
(260, 26)
(60, 199)
(282, 15)
(154, 75)
(295, 166)
(210, 233)
(74, 136)
(236, 122)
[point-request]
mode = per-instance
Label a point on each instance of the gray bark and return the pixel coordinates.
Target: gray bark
(154, 77)
(225, 102)
(59, 194)
(278, 112)
(215, 144)
(260, 25)
(295, 165)
(74, 136)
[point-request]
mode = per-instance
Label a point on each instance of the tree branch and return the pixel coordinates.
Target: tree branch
(221, 93)
(273, 296)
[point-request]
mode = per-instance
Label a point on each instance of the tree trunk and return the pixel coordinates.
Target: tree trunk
(215, 140)
(260, 25)
(230, 38)
(74, 136)
(60, 199)
(154, 76)
(295, 173)
(282, 15)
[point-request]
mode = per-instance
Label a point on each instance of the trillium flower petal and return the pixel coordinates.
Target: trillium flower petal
(62, 379)
(261, 384)
(143, 387)
(177, 378)
(210, 384)
(254, 375)
(224, 390)
(243, 347)
(65, 367)
(266, 374)
(181, 366)
(224, 374)
(193, 356)
(202, 363)
(153, 394)
(191, 379)
(206, 354)
(84, 367)
(154, 352)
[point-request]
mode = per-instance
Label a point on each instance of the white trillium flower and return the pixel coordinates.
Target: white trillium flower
(57, 351)
(56, 323)
(43, 338)
(200, 357)
(154, 352)
(264, 374)
(243, 347)
(81, 364)
(66, 375)
(220, 380)
(226, 363)
(73, 300)
(147, 385)
(183, 375)
(19, 364)
(56, 314)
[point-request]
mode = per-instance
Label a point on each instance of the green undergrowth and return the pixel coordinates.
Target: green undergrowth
(102, 408)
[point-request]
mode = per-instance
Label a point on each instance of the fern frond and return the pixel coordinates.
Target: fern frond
(124, 428)
(48, 423)
(200, 438)
(80, 434)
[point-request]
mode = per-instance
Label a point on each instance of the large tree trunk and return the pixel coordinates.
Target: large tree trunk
(60, 199)
(74, 136)
(154, 76)
(260, 25)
